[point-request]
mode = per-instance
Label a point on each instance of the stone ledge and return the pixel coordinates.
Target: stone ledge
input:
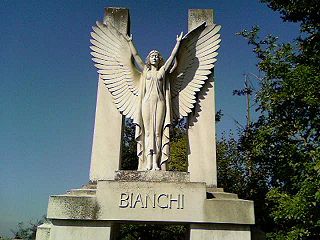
(224, 195)
(90, 185)
(72, 207)
(152, 202)
(214, 189)
(152, 176)
(80, 192)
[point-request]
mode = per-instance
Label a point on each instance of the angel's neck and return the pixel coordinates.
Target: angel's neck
(153, 68)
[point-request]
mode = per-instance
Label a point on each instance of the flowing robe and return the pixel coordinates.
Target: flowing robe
(152, 98)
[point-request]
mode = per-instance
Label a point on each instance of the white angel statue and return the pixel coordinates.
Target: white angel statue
(157, 91)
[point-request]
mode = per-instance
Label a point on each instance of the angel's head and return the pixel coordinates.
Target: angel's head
(154, 58)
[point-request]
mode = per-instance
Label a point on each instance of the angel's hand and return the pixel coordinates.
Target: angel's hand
(179, 37)
(129, 38)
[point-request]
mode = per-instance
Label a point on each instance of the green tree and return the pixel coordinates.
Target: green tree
(179, 148)
(5, 238)
(129, 147)
(27, 231)
(152, 231)
(231, 167)
(237, 173)
(284, 142)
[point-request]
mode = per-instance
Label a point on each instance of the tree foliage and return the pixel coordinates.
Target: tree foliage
(237, 173)
(27, 231)
(283, 144)
(129, 147)
(179, 148)
(152, 231)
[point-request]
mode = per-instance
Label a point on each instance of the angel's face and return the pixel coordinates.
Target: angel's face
(154, 59)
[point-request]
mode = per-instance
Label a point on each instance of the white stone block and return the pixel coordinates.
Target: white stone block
(43, 231)
(219, 232)
(84, 230)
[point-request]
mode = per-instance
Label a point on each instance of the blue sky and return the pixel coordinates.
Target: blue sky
(48, 85)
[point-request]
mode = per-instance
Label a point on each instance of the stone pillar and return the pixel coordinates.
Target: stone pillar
(201, 132)
(108, 129)
(219, 231)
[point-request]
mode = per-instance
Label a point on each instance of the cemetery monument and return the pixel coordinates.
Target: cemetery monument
(154, 93)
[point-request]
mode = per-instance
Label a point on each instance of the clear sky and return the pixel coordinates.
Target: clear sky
(48, 85)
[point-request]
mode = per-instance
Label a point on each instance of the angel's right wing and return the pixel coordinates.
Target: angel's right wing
(113, 58)
(196, 57)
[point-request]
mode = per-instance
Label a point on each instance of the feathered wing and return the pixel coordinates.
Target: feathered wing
(112, 55)
(196, 58)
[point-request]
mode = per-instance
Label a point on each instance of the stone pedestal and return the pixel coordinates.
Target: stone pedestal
(92, 211)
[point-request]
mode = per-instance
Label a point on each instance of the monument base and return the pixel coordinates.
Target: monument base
(93, 211)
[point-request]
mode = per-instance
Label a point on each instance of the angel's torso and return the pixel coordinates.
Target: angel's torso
(154, 80)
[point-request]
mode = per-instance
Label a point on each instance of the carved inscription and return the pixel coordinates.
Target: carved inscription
(142, 200)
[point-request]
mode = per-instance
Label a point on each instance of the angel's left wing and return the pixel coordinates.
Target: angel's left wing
(113, 58)
(195, 61)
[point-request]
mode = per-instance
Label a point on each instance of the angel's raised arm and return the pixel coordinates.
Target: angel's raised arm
(173, 53)
(134, 52)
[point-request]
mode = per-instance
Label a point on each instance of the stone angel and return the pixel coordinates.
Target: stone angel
(155, 92)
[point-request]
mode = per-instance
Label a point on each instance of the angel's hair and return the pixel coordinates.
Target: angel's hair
(161, 60)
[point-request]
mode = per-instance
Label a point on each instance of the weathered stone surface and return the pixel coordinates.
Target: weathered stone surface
(198, 16)
(73, 207)
(90, 185)
(80, 230)
(219, 231)
(214, 189)
(126, 203)
(152, 202)
(153, 176)
(81, 192)
(43, 231)
(224, 195)
(237, 211)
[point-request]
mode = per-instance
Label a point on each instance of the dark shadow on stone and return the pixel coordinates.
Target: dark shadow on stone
(193, 117)
(209, 195)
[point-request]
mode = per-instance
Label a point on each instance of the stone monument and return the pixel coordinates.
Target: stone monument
(153, 93)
